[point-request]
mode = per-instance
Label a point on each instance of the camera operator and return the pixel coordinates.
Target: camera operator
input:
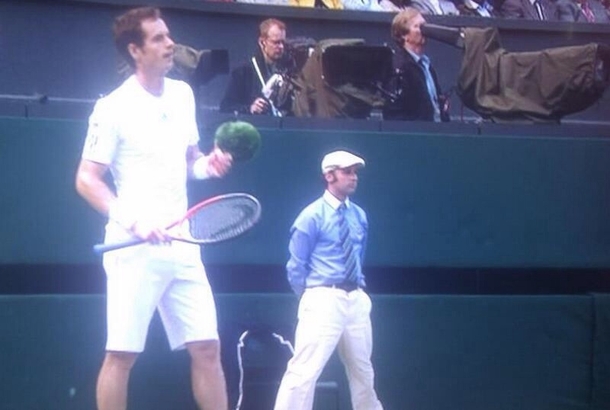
(248, 84)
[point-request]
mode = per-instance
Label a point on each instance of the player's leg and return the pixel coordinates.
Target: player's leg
(320, 324)
(133, 292)
(355, 349)
(188, 312)
(113, 379)
(207, 377)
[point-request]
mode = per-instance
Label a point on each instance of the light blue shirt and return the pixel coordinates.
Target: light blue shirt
(316, 255)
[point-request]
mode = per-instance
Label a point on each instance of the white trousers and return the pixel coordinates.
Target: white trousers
(330, 318)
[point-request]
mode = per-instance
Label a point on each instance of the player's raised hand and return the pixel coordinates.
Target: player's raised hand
(219, 162)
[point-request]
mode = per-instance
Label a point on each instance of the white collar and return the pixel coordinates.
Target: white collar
(437, 6)
(333, 201)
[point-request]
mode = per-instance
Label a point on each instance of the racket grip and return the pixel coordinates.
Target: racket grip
(107, 247)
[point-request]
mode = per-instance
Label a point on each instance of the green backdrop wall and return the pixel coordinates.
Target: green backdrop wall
(443, 198)
(430, 352)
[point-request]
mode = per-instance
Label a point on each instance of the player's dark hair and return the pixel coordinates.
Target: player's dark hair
(127, 29)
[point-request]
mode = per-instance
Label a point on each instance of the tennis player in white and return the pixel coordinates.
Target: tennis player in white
(145, 134)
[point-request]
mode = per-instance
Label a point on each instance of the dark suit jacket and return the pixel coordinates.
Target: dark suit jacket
(244, 87)
(425, 7)
(523, 9)
(413, 102)
(468, 11)
(568, 10)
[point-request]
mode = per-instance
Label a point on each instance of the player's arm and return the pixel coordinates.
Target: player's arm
(90, 184)
(216, 164)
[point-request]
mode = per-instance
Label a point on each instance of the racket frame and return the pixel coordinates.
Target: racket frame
(107, 247)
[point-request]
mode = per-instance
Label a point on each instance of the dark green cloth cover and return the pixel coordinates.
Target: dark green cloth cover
(430, 352)
(535, 86)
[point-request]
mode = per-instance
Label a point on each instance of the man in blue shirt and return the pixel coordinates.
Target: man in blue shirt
(418, 92)
(327, 245)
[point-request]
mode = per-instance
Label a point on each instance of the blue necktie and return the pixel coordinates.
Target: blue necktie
(424, 61)
(349, 253)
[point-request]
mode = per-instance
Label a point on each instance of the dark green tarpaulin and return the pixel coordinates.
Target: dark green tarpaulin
(534, 86)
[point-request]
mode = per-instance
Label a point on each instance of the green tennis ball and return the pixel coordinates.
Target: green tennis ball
(239, 138)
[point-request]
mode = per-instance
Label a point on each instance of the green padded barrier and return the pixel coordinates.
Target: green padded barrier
(601, 352)
(50, 351)
(433, 199)
(43, 219)
(430, 352)
(484, 352)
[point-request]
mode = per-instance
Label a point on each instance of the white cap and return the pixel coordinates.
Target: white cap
(340, 159)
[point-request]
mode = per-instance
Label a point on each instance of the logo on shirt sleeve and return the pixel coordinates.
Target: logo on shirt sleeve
(92, 137)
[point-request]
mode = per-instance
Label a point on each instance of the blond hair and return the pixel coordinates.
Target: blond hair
(266, 25)
(401, 24)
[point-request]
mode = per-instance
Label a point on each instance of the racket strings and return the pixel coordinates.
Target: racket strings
(223, 220)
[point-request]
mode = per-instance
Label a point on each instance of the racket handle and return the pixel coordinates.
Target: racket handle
(106, 247)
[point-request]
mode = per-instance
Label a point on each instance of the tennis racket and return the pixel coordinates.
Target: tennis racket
(211, 221)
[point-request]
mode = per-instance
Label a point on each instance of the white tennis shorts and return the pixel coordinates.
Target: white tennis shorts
(170, 278)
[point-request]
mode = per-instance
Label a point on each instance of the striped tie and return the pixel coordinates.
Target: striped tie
(539, 10)
(586, 10)
(349, 253)
(424, 63)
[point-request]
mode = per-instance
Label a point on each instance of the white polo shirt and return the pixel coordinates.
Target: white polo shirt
(144, 139)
